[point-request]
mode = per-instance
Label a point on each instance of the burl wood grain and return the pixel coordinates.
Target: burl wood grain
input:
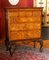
(24, 23)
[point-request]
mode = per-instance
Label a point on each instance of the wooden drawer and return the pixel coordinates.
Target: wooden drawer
(36, 13)
(32, 26)
(22, 13)
(15, 14)
(16, 35)
(36, 19)
(18, 26)
(33, 34)
(23, 19)
(26, 19)
(24, 26)
(25, 13)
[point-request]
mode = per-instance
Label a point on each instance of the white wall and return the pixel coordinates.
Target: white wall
(45, 5)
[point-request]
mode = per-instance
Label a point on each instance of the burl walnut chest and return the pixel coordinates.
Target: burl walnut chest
(24, 23)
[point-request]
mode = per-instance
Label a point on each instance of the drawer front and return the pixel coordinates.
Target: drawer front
(15, 14)
(33, 34)
(28, 19)
(13, 20)
(18, 35)
(37, 13)
(32, 26)
(24, 26)
(36, 19)
(18, 26)
(25, 13)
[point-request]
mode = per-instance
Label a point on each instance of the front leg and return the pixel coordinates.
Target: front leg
(7, 44)
(34, 45)
(41, 45)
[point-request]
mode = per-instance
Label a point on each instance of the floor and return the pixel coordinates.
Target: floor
(24, 53)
